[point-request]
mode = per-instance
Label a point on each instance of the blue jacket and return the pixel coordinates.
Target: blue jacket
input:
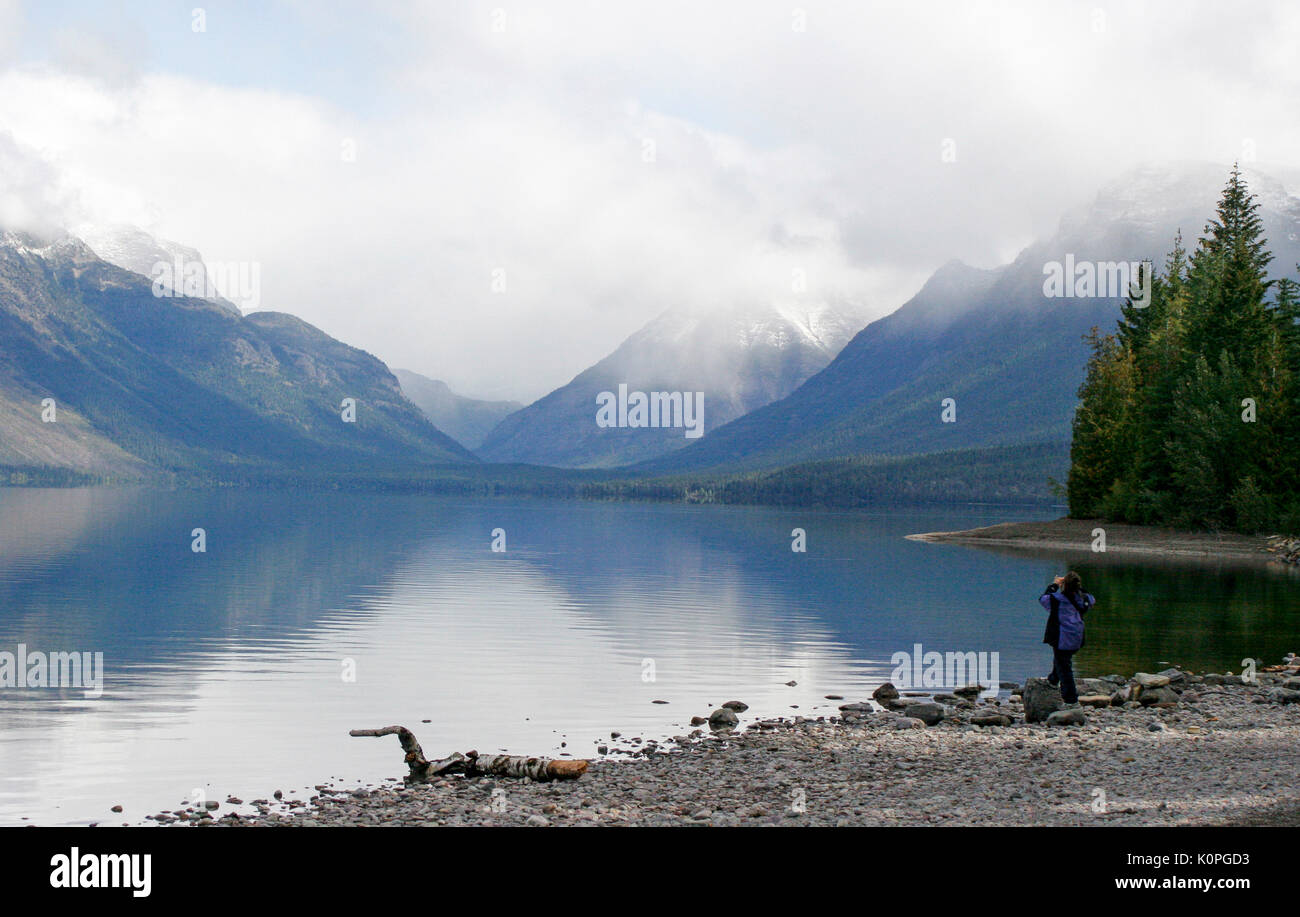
(1065, 618)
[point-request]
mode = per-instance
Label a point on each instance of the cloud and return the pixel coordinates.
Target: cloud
(530, 187)
(34, 196)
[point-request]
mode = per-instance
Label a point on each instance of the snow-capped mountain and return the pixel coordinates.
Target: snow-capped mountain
(1010, 357)
(135, 250)
(740, 358)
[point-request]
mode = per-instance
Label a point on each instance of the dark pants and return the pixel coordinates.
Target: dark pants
(1063, 674)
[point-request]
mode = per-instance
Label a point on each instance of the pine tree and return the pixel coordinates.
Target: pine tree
(1228, 277)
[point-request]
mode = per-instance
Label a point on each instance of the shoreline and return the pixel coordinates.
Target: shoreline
(1076, 536)
(1171, 748)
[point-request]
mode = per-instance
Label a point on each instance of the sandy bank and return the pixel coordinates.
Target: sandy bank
(1077, 535)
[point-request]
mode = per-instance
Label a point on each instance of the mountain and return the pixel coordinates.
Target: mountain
(1010, 356)
(466, 420)
(144, 383)
(133, 249)
(741, 358)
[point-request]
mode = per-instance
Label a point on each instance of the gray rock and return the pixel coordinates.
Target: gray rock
(1041, 699)
(1284, 696)
(722, 718)
(885, 692)
(969, 691)
(538, 821)
(929, 713)
(908, 722)
(1158, 697)
(736, 705)
(990, 719)
(1071, 717)
(1146, 680)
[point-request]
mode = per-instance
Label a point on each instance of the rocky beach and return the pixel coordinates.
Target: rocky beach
(1166, 748)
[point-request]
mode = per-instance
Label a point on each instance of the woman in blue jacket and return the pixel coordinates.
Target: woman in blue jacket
(1066, 604)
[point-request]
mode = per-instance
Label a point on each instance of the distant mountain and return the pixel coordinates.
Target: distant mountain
(143, 383)
(466, 420)
(133, 249)
(740, 358)
(1010, 356)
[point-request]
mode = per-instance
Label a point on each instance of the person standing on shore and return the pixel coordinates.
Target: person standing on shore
(1066, 604)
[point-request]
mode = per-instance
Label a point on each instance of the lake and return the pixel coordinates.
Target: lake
(241, 669)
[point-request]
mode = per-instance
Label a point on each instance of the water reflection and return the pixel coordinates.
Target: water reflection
(226, 670)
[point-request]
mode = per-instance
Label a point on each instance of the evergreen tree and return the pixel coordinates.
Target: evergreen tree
(1229, 281)
(1102, 426)
(1190, 413)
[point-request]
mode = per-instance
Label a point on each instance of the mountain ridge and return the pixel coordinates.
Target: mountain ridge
(1011, 357)
(740, 357)
(147, 384)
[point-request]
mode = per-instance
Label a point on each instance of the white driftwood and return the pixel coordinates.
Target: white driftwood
(475, 765)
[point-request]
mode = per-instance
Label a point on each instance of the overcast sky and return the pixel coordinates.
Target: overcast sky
(606, 163)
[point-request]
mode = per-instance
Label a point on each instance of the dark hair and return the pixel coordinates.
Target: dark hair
(1072, 585)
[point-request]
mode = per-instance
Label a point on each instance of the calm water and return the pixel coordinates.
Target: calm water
(225, 670)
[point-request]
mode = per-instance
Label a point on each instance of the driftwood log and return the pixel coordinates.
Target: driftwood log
(473, 764)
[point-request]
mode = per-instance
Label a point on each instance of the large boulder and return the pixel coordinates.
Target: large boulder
(1040, 699)
(930, 714)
